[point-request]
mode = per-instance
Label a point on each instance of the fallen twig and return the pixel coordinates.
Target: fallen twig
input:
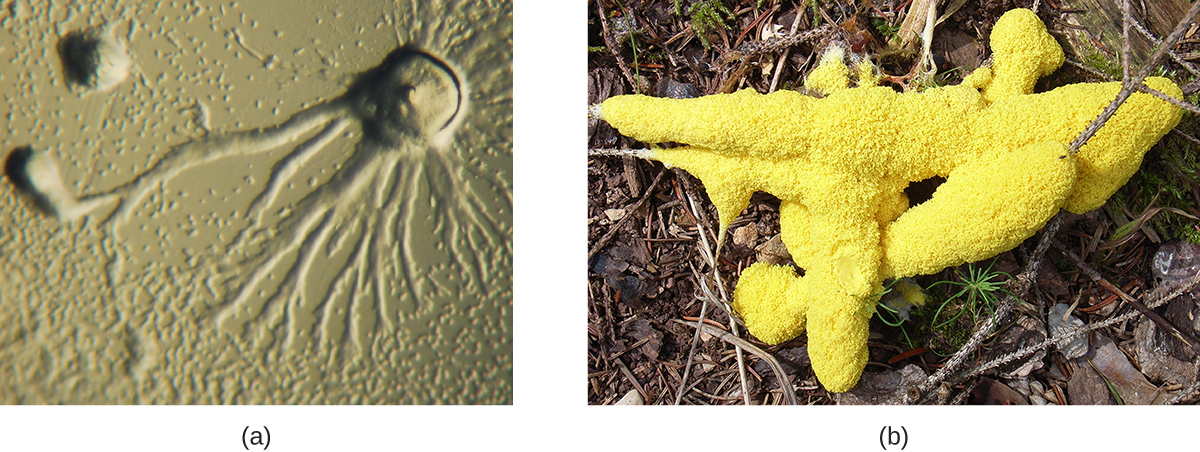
(754, 48)
(638, 386)
(785, 382)
(1159, 94)
(1174, 56)
(712, 256)
(1185, 394)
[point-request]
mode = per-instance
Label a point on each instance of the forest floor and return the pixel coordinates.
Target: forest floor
(651, 232)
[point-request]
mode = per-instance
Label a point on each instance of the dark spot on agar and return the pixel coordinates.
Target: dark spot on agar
(79, 52)
(93, 58)
(16, 168)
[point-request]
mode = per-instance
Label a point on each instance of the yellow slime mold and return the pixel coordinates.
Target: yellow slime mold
(840, 165)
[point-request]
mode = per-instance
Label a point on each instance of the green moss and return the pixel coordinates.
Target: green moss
(1192, 235)
(947, 338)
(706, 15)
(1102, 64)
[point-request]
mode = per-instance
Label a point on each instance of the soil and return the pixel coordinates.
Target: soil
(649, 227)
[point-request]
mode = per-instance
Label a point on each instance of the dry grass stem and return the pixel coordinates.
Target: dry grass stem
(706, 250)
(614, 49)
(785, 384)
(687, 370)
(783, 57)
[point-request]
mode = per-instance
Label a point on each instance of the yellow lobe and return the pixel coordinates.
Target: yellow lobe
(831, 74)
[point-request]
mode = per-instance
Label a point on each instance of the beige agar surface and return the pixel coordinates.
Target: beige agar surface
(355, 271)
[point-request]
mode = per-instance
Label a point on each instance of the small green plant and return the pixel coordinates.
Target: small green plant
(706, 15)
(885, 29)
(889, 316)
(979, 290)
(893, 318)
(815, 6)
(877, 300)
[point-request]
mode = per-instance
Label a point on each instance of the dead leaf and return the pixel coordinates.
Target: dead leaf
(992, 392)
(641, 329)
(773, 251)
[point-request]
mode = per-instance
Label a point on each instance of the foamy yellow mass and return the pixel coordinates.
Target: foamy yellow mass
(840, 164)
